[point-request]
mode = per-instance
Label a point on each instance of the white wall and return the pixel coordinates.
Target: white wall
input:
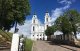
(15, 42)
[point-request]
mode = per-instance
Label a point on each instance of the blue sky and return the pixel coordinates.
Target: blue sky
(41, 6)
(54, 7)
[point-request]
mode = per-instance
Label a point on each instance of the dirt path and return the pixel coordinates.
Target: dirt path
(46, 46)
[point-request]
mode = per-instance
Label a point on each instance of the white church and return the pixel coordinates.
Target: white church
(38, 30)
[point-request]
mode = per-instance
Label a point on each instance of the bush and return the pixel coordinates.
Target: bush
(28, 44)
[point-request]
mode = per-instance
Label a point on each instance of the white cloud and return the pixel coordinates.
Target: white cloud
(67, 3)
(24, 29)
(56, 13)
(59, 11)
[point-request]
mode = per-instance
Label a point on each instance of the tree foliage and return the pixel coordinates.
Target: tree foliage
(67, 22)
(74, 18)
(49, 31)
(63, 24)
(13, 12)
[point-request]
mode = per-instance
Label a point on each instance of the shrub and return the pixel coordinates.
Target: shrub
(28, 44)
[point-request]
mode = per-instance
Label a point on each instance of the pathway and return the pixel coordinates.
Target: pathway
(46, 46)
(5, 50)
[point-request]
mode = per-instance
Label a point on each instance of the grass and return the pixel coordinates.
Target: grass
(28, 44)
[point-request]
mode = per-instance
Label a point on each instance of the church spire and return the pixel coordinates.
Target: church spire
(34, 13)
(47, 11)
(34, 19)
(47, 14)
(35, 16)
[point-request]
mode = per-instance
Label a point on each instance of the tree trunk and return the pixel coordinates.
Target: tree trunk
(49, 38)
(68, 37)
(75, 33)
(74, 30)
(63, 36)
(75, 36)
(15, 27)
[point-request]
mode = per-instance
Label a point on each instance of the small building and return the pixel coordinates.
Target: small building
(57, 35)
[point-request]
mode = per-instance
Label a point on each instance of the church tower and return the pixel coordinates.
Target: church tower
(34, 26)
(47, 20)
(34, 23)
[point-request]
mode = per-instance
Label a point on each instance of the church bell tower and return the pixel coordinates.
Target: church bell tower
(47, 20)
(34, 27)
(34, 23)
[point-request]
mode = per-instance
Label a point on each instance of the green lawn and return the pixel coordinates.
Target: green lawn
(28, 44)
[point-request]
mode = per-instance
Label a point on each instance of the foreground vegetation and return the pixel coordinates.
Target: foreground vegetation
(28, 44)
(13, 12)
(6, 35)
(5, 38)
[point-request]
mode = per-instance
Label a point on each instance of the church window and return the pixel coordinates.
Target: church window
(47, 19)
(34, 21)
(33, 28)
(33, 35)
(47, 26)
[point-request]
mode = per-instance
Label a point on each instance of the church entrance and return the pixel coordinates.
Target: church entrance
(40, 38)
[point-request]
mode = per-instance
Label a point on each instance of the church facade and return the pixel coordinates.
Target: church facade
(38, 30)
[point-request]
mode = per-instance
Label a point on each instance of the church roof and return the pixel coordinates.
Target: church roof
(58, 33)
(35, 13)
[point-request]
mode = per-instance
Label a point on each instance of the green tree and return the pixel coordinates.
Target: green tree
(62, 24)
(74, 18)
(49, 31)
(5, 13)
(20, 9)
(13, 12)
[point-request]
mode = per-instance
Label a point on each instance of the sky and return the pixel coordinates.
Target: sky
(54, 7)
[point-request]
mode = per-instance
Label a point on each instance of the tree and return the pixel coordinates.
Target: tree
(49, 31)
(67, 22)
(62, 24)
(21, 9)
(5, 13)
(13, 12)
(74, 18)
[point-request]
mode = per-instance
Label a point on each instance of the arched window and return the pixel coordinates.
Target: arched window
(33, 21)
(47, 19)
(33, 28)
(47, 26)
